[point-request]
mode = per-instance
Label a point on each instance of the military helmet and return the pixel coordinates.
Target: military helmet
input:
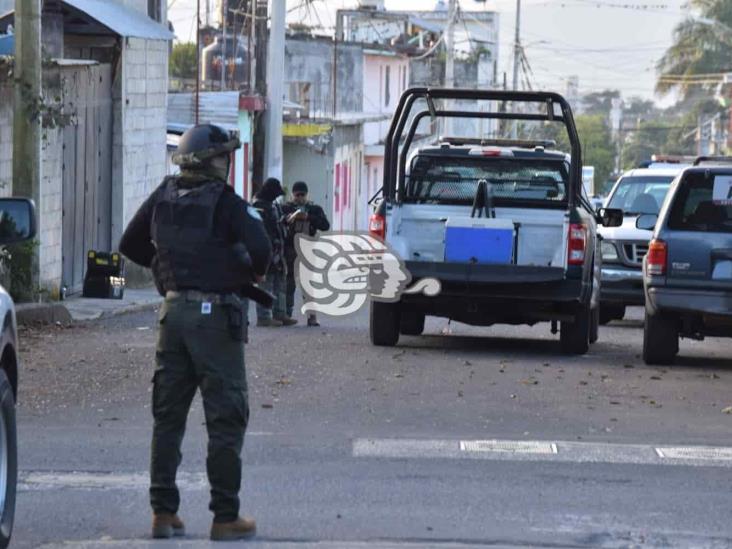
(199, 144)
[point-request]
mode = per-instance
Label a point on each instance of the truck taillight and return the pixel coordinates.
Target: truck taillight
(656, 258)
(577, 244)
(377, 226)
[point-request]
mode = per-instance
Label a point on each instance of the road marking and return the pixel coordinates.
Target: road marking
(508, 446)
(85, 480)
(538, 450)
(695, 452)
(270, 543)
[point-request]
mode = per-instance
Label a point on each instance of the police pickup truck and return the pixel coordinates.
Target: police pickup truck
(503, 225)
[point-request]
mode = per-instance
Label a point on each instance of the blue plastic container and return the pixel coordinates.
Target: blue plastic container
(479, 240)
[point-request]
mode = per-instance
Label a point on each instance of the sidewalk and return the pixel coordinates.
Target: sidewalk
(79, 309)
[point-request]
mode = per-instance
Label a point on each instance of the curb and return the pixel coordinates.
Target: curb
(42, 313)
(52, 313)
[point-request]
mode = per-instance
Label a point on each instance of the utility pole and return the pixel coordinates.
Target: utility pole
(516, 60)
(26, 121)
(450, 58)
(223, 43)
(259, 21)
(198, 60)
(517, 46)
(275, 90)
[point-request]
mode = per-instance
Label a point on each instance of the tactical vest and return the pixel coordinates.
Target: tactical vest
(189, 254)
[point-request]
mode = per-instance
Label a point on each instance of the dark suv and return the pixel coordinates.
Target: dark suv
(688, 268)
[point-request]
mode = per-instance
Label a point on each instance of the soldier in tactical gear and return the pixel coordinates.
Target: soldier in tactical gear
(271, 211)
(205, 246)
(303, 217)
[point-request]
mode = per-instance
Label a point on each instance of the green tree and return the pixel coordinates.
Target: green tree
(596, 142)
(701, 46)
(599, 102)
(597, 147)
(183, 60)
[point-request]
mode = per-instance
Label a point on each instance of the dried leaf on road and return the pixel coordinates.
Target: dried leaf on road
(529, 381)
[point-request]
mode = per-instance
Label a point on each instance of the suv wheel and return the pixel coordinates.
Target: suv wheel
(411, 323)
(8, 459)
(575, 336)
(384, 323)
(608, 313)
(660, 339)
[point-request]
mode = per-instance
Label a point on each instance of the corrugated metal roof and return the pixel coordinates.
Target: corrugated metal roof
(216, 107)
(221, 108)
(122, 20)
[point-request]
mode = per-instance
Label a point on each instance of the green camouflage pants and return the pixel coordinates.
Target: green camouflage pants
(196, 351)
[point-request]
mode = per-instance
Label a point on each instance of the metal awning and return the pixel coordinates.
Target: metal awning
(93, 16)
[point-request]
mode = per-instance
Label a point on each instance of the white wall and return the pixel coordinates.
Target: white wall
(50, 212)
(376, 99)
(140, 128)
(6, 139)
(50, 209)
(348, 205)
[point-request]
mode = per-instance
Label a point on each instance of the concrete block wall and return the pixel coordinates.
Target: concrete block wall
(50, 208)
(140, 135)
(6, 139)
(50, 211)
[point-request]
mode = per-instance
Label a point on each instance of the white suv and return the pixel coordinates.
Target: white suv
(17, 224)
(637, 192)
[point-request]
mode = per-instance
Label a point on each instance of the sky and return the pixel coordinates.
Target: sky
(608, 44)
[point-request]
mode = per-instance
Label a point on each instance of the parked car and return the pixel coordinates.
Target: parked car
(637, 192)
(688, 267)
(504, 225)
(17, 223)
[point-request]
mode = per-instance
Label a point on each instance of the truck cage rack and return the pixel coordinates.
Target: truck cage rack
(517, 143)
(395, 163)
(716, 160)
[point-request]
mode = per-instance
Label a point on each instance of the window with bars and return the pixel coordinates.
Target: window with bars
(155, 10)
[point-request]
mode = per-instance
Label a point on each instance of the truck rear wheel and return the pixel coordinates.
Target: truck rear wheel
(660, 339)
(384, 323)
(411, 323)
(575, 336)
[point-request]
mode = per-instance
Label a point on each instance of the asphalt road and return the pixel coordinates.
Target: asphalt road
(354, 446)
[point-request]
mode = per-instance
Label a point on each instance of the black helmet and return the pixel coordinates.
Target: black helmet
(201, 143)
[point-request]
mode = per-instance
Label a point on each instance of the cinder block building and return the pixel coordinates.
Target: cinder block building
(108, 67)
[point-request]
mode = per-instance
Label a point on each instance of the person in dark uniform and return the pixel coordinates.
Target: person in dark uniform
(265, 201)
(302, 217)
(204, 245)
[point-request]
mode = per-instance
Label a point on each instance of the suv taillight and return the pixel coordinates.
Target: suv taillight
(577, 244)
(656, 258)
(377, 226)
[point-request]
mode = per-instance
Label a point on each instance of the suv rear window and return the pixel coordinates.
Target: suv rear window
(640, 195)
(451, 180)
(703, 204)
